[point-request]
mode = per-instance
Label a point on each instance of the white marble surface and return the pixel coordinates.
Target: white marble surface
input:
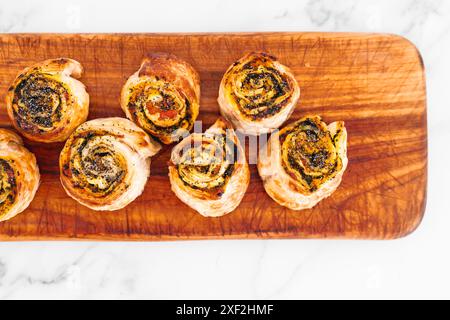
(415, 267)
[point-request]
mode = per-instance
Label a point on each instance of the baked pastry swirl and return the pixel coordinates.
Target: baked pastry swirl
(304, 162)
(162, 97)
(19, 175)
(46, 102)
(105, 163)
(209, 171)
(257, 93)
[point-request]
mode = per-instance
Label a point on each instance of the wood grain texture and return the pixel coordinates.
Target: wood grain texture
(375, 83)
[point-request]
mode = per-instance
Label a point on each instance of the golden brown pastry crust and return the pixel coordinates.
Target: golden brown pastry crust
(19, 175)
(162, 97)
(105, 163)
(46, 102)
(257, 93)
(209, 172)
(304, 162)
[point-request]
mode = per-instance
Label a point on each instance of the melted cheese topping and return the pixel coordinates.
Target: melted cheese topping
(160, 109)
(207, 163)
(309, 152)
(40, 100)
(8, 187)
(258, 88)
(95, 165)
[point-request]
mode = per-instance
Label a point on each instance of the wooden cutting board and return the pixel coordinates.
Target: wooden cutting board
(374, 82)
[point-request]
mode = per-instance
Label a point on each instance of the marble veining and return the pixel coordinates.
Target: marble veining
(414, 267)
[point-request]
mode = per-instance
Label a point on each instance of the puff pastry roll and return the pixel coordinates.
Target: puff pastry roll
(162, 97)
(304, 162)
(257, 93)
(105, 163)
(209, 171)
(19, 175)
(46, 102)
